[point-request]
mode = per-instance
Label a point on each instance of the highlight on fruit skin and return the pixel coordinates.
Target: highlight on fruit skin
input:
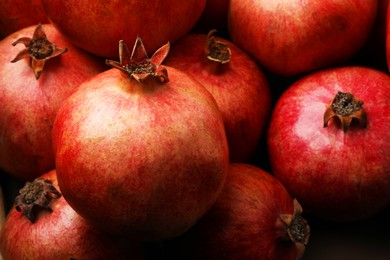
(39, 49)
(138, 65)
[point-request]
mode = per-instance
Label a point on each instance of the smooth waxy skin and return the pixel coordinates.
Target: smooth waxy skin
(293, 37)
(141, 159)
(334, 174)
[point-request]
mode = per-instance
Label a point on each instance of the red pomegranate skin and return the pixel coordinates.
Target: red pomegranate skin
(61, 234)
(241, 224)
(294, 37)
(239, 87)
(336, 175)
(29, 106)
(19, 14)
(142, 160)
(97, 26)
(387, 37)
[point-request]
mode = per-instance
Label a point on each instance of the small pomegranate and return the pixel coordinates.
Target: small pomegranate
(236, 82)
(43, 226)
(253, 218)
(328, 142)
(36, 75)
(141, 149)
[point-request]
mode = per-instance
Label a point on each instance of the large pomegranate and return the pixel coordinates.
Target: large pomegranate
(235, 81)
(36, 75)
(253, 218)
(141, 152)
(293, 37)
(43, 226)
(97, 26)
(328, 142)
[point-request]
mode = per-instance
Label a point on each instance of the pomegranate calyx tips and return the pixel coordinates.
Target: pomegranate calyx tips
(138, 65)
(216, 50)
(346, 108)
(297, 228)
(36, 194)
(39, 49)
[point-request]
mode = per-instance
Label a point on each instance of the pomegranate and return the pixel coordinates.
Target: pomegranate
(328, 142)
(294, 37)
(97, 26)
(30, 98)
(42, 225)
(139, 153)
(19, 14)
(254, 218)
(235, 81)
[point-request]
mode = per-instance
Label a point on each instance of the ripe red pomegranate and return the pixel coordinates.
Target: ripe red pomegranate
(141, 150)
(253, 218)
(43, 226)
(293, 37)
(34, 81)
(97, 26)
(235, 81)
(19, 14)
(328, 142)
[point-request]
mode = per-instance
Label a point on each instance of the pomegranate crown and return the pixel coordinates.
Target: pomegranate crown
(39, 49)
(36, 195)
(138, 65)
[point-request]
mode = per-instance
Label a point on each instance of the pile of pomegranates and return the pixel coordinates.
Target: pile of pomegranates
(213, 129)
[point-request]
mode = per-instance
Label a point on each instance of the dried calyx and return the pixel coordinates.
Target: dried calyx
(295, 228)
(39, 49)
(346, 108)
(138, 65)
(36, 195)
(216, 50)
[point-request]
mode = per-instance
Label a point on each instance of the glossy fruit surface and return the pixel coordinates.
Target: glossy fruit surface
(336, 171)
(293, 37)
